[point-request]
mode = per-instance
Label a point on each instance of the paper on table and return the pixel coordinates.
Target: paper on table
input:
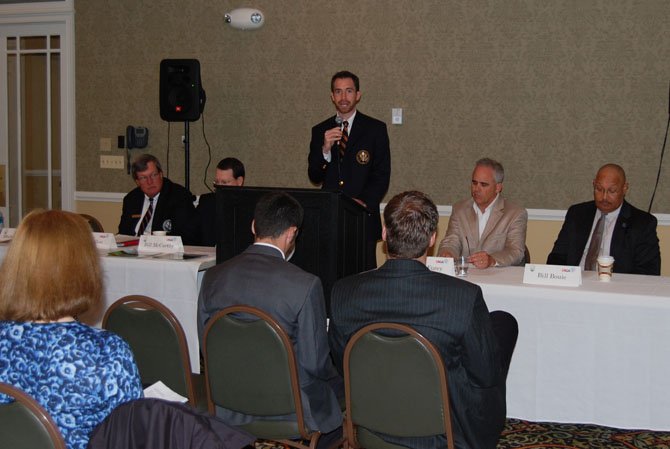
(161, 391)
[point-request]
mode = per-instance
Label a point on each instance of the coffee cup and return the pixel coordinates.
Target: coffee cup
(605, 266)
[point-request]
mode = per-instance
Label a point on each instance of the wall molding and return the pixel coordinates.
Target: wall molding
(444, 211)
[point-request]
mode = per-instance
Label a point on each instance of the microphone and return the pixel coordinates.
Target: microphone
(339, 121)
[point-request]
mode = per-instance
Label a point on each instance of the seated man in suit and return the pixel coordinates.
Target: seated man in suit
(262, 277)
(229, 172)
(608, 226)
(488, 229)
(157, 204)
(476, 346)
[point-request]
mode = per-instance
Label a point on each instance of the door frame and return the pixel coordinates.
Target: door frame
(32, 16)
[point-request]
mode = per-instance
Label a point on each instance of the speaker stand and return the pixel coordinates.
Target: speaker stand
(186, 156)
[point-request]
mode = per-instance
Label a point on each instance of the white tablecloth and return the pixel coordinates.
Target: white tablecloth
(598, 353)
(175, 283)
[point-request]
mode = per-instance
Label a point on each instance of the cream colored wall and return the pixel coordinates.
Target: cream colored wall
(108, 213)
(553, 89)
(539, 238)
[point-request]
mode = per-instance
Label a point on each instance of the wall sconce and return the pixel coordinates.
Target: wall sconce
(245, 18)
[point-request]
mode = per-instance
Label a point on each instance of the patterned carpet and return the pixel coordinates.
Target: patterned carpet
(525, 434)
(519, 434)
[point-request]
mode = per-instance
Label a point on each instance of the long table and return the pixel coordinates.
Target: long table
(175, 283)
(598, 353)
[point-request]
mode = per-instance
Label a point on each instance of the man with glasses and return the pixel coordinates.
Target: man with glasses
(229, 173)
(608, 226)
(157, 204)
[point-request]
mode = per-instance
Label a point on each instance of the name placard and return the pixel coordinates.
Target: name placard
(7, 233)
(558, 275)
(444, 265)
(104, 240)
(153, 244)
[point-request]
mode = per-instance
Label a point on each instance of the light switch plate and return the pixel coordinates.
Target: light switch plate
(113, 162)
(396, 116)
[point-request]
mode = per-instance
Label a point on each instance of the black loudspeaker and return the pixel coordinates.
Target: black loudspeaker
(182, 98)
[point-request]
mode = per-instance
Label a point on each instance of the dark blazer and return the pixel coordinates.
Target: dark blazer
(174, 211)
(365, 170)
(260, 277)
(452, 314)
(634, 241)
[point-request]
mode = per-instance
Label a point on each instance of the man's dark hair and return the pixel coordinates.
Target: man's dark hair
(276, 212)
(344, 74)
(410, 219)
(141, 163)
(231, 163)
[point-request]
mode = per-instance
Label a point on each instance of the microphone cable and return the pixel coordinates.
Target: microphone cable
(660, 163)
(209, 151)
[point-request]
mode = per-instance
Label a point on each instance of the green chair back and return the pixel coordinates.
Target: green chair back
(250, 368)
(156, 339)
(24, 424)
(396, 384)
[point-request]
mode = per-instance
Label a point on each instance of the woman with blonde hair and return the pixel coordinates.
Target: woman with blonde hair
(79, 374)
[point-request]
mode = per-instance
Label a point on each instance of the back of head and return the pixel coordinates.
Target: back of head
(52, 268)
(231, 163)
(410, 219)
(276, 212)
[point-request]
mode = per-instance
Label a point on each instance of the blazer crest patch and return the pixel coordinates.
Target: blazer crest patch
(363, 157)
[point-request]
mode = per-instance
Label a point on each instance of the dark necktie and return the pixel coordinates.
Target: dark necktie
(591, 262)
(344, 139)
(147, 217)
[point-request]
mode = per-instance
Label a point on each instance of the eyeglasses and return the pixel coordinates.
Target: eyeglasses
(153, 177)
(609, 192)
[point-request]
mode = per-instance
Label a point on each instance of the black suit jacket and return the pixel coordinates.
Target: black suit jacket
(174, 212)
(634, 241)
(452, 314)
(365, 169)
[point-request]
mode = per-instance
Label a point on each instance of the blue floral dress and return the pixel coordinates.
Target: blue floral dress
(79, 374)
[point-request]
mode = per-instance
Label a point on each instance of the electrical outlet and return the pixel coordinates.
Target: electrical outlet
(114, 162)
(105, 144)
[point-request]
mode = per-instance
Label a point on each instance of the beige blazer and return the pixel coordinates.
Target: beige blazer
(504, 237)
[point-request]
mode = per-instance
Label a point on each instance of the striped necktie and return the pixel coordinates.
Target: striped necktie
(147, 217)
(344, 139)
(590, 264)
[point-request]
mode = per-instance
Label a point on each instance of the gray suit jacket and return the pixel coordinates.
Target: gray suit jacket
(260, 277)
(504, 237)
(449, 312)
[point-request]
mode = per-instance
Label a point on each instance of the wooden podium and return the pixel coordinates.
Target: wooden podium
(332, 238)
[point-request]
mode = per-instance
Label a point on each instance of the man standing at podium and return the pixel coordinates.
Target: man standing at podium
(350, 152)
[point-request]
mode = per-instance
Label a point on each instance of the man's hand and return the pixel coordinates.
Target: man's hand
(481, 259)
(329, 138)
